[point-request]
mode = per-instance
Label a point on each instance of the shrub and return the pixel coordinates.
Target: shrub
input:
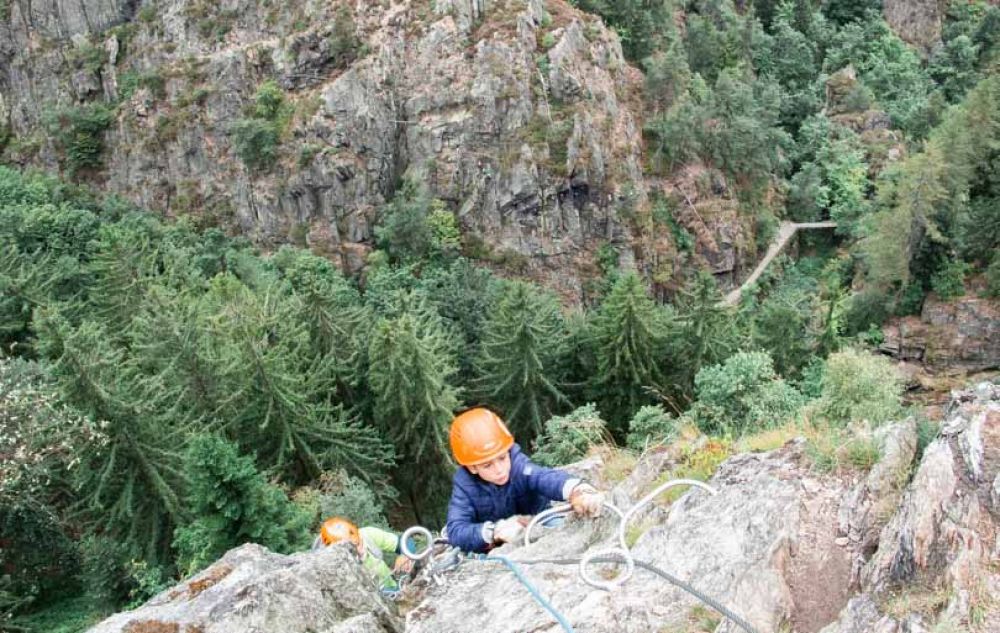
(949, 281)
(340, 494)
(650, 425)
(256, 142)
(233, 504)
(859, 386)
(567, 438)
(993, 278)
(743, 394)
(80, 134)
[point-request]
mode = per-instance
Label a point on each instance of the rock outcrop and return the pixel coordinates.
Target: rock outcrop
(903, 548)
(962, 334)
(251, 590)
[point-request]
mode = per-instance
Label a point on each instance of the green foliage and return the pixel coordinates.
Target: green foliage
(403, 230)
(344, 44)
(70, 615)
(859, 386)
(993, 278)
(845, 11)
(639, 24)
(628, 332)
(650, 425)
(785, 323)
(568, 438)
(233, 504)
(79, 133)
(890, 68)
(864, 310)
(707, 334)
(949, 281)
(256, 142)
(734, 126)
(257, 136)
(922, 202)
(978, 231)
(410, 365)
(742, 395)
(39, 559)
(523, 341)
(340, 494)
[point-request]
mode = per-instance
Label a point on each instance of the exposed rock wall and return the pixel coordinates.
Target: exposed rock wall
(510, 111)
(962, 333)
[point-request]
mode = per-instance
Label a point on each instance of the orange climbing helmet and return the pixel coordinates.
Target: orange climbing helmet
(479, 435)
(339, 529)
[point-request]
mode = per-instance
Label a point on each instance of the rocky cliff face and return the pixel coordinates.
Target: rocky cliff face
(960, 334)
(908, 546)
(515, 113)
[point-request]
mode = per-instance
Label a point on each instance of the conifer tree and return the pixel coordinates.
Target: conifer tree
(124, 264)
(629, 332)
(409, 368)
(707, 333)
(272, 405)
(129, 475)
(232, 504)
(518, 361)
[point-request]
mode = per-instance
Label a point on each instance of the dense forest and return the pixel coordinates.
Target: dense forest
(168, 391)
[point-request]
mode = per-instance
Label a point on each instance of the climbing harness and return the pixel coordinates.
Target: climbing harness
(620, 554)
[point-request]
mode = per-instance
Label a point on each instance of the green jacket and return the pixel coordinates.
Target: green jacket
(377, 545)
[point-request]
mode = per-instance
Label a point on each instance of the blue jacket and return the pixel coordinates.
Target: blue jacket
(474, 501)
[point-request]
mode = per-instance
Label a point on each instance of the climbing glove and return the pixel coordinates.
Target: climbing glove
(508, 530)
(586, 500)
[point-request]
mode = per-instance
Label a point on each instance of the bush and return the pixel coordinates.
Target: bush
(340, 494)
(744, 394)
(567, 438)
(651, 425)
(257, 136)
(859, 386)
(993, 278)
(949, 281)
(80, 134)
(256, 142)
(233, 504)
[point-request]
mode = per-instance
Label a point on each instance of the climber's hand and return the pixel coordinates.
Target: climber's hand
(403, 565)
(586, 500)
(508, 530)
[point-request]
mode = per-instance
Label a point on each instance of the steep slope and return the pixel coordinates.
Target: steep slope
(905, 547)
(512, 112)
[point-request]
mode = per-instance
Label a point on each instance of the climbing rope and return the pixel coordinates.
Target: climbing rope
(539, 598)
(621, 555)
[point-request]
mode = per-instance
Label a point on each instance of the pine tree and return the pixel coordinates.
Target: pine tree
(129, 476)
(707, 333)
(518, 361)
(629, 332)
(232, 504)
(337, 322)
(409, 368)
(272, 404)
(124, 264)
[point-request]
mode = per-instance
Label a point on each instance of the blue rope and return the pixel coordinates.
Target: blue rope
(531, 589)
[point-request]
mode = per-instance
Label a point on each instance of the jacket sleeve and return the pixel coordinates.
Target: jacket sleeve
(462, 531)
(551, 483)
(382, 539)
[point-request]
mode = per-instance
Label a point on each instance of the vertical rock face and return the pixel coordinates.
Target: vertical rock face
(962, 333)
(510, 111)
(917, 22)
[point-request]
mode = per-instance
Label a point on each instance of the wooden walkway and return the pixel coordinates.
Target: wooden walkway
(785, 234)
